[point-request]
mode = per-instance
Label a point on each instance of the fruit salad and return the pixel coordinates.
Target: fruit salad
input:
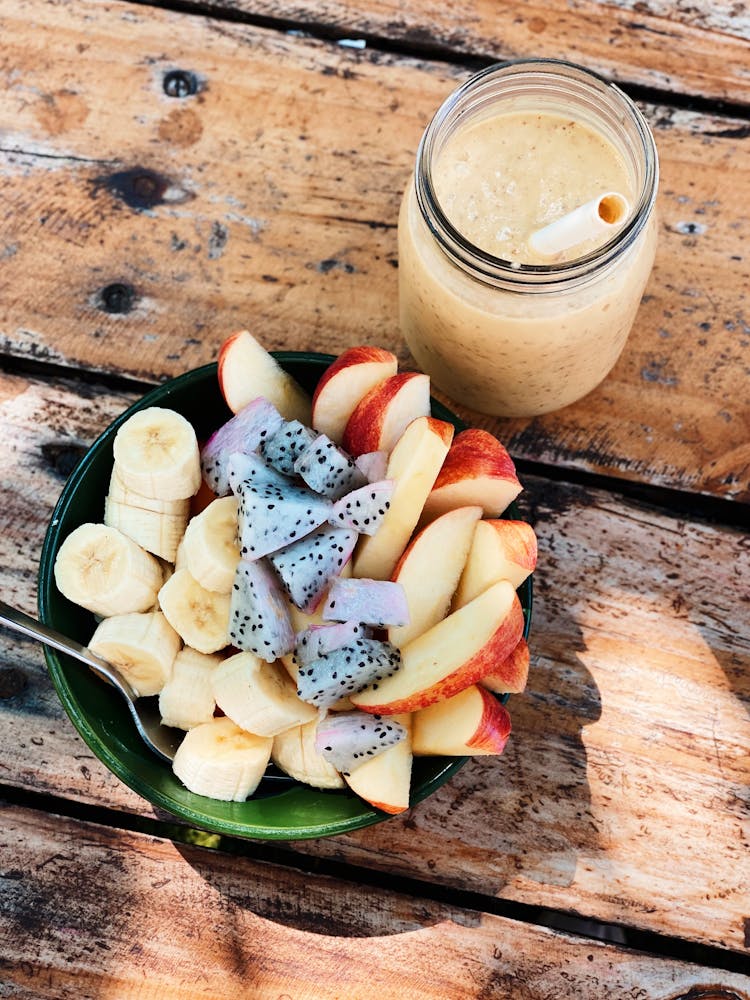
(326, 583)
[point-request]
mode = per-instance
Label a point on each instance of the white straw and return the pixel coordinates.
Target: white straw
(602, 215)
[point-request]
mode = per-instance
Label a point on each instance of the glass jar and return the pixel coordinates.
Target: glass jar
(516, 339)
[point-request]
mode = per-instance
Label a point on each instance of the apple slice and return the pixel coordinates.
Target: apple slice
(477, 469)
(343, 384)
(430, 568)
(383, 414)
(384, 781)
(512, 675)
(452, 655)
(414, 464)
(247, 370)
(471, 723)
(501, 550)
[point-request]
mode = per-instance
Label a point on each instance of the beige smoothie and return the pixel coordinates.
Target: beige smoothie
(517, 349)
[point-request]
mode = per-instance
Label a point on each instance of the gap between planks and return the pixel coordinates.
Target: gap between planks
(617, 935)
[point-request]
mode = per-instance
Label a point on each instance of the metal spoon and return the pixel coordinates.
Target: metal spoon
(162, 740)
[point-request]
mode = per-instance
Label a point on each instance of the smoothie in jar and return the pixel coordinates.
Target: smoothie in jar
(498, 326)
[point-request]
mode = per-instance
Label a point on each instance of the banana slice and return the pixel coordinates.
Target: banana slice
(179, 558)
(157, 533)
(187, 699)
(294, 752)
(106, 572)
(259, 696)
(210, 547)
(222, 761)
(119, 491)
(200, 616)
(143, 646)
(156, 454)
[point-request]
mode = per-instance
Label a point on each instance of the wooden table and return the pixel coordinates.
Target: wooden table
(171, 171)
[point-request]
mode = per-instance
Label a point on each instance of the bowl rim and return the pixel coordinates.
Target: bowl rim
(368, 815)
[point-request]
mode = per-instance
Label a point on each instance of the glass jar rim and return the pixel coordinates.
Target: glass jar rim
(496, 271)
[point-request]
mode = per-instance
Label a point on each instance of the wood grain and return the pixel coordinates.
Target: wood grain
(99, 913)
(274, 194)
(631, 742)
(701, 49)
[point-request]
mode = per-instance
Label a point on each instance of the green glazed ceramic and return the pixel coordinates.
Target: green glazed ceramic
(278, 811)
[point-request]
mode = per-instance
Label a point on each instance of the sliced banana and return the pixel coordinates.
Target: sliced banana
(187, 699)
(200, 616)
(179, 558)
(222, 761)
(260, 697)
(294, 752)
(157, 533)
(210, 547)
(118, 491)
(156, 454)
(106, 572)
(142, 646)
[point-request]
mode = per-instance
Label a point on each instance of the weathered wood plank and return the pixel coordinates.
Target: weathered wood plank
(275, 193)
(701, 49)
(630, 744)
(94, 912)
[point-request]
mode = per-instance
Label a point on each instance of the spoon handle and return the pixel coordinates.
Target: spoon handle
(28, 626)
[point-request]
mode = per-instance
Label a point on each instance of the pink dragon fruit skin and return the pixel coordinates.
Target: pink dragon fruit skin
(243, 433)
(373, 465)
(316, 640)
(306, 567)
(346, 671)
(380, 603)
(282, 449)
(327, 469)
(258, 614)
(272, 517)
(364, 509)
(349, 739)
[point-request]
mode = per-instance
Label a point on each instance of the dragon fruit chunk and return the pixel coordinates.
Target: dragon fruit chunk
(346, 671)
(252, 469)
(282, 449)
(373, 465)
(316, 640)
(258, 617)
(327, 469)
(272, 516)
(365, 508)
(306, 567)
(243, 433)
(380, 603)
(348, 739)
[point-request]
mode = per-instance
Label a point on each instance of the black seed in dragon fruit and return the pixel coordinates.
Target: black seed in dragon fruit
(252, 469)
(346, 671)
(380, 603)
(365, 508)
(373, 465)
(327, 469)
(258, 613)
(282, 449)
(306, 567)
(316, 640)
(349, 739)
(272, 516)
(243, 433)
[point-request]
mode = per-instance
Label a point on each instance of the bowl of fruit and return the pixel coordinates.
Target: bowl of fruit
(314, 572)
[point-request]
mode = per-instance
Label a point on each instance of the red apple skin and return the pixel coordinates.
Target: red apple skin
(444, 430)
(497, 649)
(512, 675)
(519, 541)
(494, 727)
(363, 429)
(354, 356)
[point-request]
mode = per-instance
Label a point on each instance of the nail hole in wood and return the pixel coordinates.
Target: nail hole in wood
(117, 298)
(180, 83)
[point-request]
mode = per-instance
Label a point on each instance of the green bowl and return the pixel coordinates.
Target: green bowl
(278, 811)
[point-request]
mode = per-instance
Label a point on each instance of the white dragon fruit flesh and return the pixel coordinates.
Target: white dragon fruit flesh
(327, 469)
(380, 603)
(349, 739)
(306, 567)
(243, 433)
(346, 670)
(259, 619)
(364, 509)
